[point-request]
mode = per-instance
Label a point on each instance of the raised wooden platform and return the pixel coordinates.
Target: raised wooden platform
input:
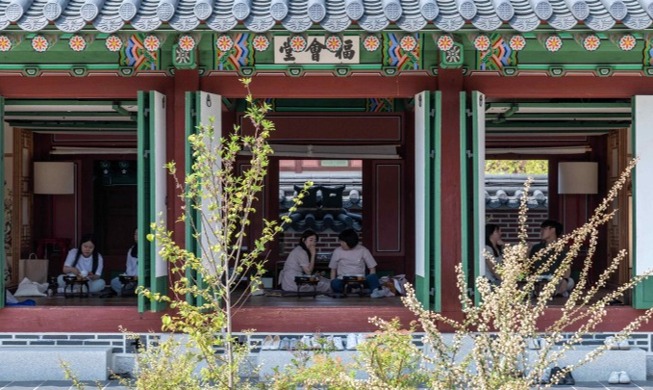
(260, 313)
(264, 314)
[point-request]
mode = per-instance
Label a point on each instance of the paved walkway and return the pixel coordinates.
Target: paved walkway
(60, 385)
(114, 385)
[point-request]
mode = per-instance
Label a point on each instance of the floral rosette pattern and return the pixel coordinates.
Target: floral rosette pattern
(298, 43)
(445, 42)
(333, 43)
(77, 43)
(40, 44)
(260, 43)
(627, 42)
(5, 43)
(186, 43)
(151, 43)
(113, 43)
(224, 43)
(482, 43)
(408, 43)
(591, 42)
(371, 43)
(517, 43)
(553, 43)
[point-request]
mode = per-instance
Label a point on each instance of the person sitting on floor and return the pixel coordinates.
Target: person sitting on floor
(131, 271)
(493, 246)
(550, 232)
(351, 259)
(85, 262)
(301, 261)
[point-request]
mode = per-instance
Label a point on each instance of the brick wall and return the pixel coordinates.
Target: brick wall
(290, 239)
(507, 219)
(509, 222)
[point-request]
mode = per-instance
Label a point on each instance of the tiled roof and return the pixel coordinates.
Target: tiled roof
(505, 192)
(109, 16)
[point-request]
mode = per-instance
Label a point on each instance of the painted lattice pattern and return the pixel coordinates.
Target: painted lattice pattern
(395, 55)
(380, 105)
(134, 54)
(241, 52)
(648, 52)
(498, 56)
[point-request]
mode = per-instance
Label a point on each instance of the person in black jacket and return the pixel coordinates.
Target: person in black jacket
(550, 231)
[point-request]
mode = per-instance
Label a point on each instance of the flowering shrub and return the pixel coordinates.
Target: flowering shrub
(496, 333)
(489, 347)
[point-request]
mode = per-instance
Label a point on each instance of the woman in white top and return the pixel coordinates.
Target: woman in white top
(85, 261)
(132, 270)
(301, 261)
(493, 246)
(351, 259)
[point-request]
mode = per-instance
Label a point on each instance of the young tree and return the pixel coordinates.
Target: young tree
(491, 345)
(218, 206)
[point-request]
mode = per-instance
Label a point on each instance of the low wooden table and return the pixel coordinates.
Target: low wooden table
(126, 280)
(306, 281)
(351, 281)
(71, 282)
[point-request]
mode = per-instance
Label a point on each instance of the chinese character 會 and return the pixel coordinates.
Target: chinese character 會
(315, 48)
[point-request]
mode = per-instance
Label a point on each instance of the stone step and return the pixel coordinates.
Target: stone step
(23, 363)
(632, 361)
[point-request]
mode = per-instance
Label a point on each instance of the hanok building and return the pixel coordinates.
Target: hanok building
(404, 100)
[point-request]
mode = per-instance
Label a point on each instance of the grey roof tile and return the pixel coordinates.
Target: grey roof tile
(412, 19)
(295, 19)
(524, 21)
(70, 19)
(184, 18)
(599, 19)
(298, 16)
(449, 19)
(486, 18)
(638, 17)
(562, 18)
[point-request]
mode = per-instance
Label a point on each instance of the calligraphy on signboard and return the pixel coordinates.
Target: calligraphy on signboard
(299, 49)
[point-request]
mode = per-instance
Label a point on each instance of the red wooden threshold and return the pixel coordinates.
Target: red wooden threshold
(113, 319)
(97, 319)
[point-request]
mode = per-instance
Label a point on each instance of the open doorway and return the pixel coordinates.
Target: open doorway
(561, 133)
(332, 204)
(504, 186)
(95, 142)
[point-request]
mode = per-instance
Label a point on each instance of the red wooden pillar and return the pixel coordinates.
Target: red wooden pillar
(450, 84)
(184, 81)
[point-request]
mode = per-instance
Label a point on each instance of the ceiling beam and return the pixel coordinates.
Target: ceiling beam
(562, 116)
(68, 102)
(72, 125)
(35, 114)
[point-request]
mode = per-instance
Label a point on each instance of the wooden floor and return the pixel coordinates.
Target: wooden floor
(61, 300)
(258, 313)
(271, 299)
